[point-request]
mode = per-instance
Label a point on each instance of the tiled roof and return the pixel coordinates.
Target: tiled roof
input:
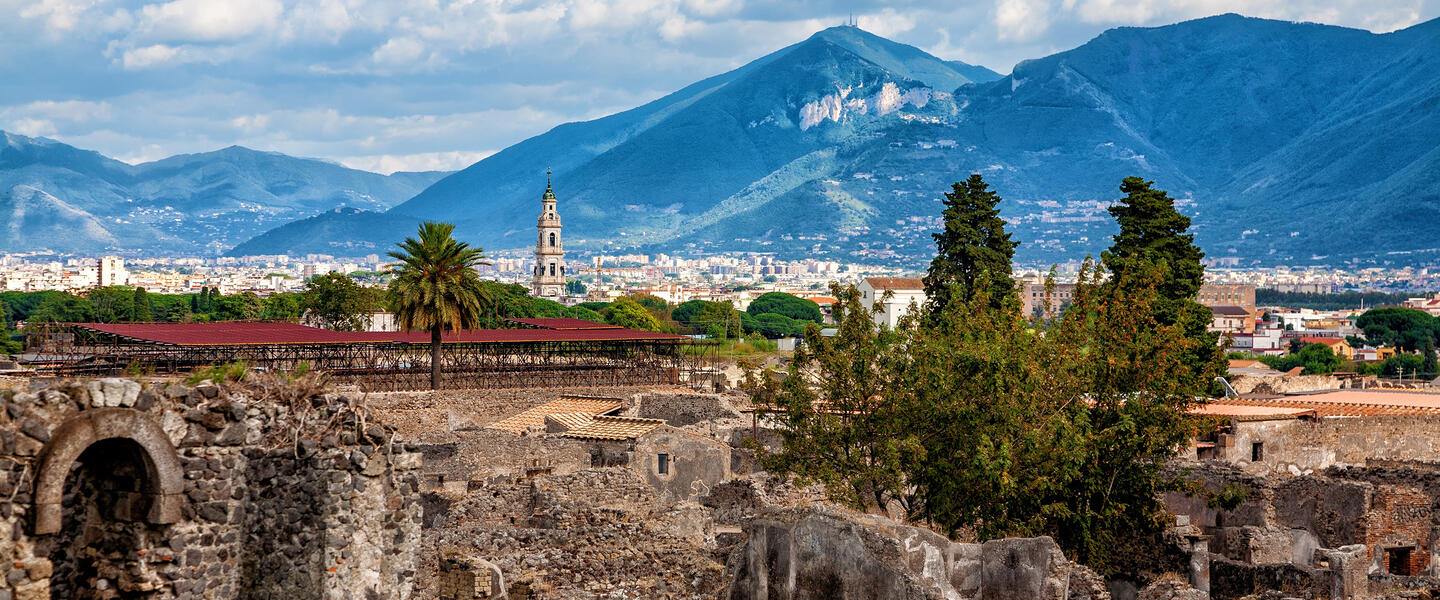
(896, 283)
(615, 428)
(245, 333)
(1351, 403)
(1231, 311)
(1250, 412)
(563, 323)
(571, 420)
(535, 416)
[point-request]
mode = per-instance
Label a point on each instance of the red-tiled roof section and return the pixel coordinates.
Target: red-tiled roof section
(229, 333)
(249, 334)
(896, 283)
(564, 323)
(1352, 403)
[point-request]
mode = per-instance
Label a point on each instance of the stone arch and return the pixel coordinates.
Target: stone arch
(164, 477)
(552, 238)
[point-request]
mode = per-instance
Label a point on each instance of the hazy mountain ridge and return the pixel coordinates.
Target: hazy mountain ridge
(842, 145)
(186, 204)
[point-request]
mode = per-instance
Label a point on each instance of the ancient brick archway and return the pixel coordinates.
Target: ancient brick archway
(159, 498)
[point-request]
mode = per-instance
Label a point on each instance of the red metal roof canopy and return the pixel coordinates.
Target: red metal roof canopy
(564, 323)
(257, 333)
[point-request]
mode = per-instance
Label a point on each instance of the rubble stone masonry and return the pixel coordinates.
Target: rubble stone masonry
(109, 489)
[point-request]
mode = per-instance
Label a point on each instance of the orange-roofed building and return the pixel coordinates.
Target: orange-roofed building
(1339, 346)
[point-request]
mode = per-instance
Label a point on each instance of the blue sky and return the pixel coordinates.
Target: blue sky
(388, 85)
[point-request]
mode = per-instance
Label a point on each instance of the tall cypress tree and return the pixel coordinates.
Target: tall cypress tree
(141, 312)
(973, 244)
(1153, 236)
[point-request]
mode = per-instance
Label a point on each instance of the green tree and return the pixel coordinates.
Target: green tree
(23, 303)
(974, 421)
(840, 424)
(686, 312)
(1153, 237)
(630, 314)
(245, 306)
(575, 287)
(1408, 365)
(580, 312)
(775, 326)
(973, 241)
(335, 301)
(1317, 359)
(595, 306)
(1404, 328)
(7, 317)
(436, 287)
(140, 306)
(282, 307)
(63, 308)
(701, 315)
(113, 304)
(789, 305)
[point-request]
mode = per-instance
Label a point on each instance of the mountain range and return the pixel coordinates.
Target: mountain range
(57, 197)
(1287, 143)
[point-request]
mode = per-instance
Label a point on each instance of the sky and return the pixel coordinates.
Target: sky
(388, 85)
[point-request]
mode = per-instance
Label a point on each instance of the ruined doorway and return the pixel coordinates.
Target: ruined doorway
(103, 533)
(108, 486)
(1398, 561)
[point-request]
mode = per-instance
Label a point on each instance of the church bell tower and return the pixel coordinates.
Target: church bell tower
(549, 251)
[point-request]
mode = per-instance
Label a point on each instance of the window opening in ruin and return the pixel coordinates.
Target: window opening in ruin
(1397, 561)
(1257, 451)
(663, 460)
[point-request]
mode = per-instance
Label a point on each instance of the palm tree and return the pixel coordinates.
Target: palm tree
(435, 286)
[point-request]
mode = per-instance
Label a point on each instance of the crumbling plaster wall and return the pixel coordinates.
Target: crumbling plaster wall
(696, 463)
(256, 497)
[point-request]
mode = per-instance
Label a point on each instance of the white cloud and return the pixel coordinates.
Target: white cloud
(70, 111)
(59, 15)
(32, 127)
(140, 58)
(1022, 20)
(425, 161)
(399, 51)
(208, 20)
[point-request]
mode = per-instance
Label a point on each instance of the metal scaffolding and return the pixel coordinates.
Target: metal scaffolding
(383, 365)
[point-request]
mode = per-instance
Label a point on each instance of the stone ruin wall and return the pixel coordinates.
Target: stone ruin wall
(109, 489)
(821, 553)
(1303, 446)
(1326, 534)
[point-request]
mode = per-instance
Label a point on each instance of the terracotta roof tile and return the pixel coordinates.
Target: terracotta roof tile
(896, 283)
(1251, 412)
(535, 416)
(1351, 403)
(572, 420)
(615, 428)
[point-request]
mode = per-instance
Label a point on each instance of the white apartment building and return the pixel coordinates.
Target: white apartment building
(112, 272)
